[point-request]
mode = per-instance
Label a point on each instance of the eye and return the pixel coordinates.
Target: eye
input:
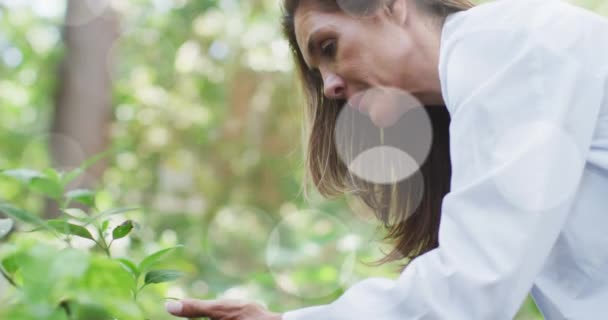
(329, 48)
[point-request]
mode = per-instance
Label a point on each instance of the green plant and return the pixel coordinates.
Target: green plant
(53, 279)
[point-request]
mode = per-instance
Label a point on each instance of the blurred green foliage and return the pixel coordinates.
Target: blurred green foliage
(207, 120)
(78, 278)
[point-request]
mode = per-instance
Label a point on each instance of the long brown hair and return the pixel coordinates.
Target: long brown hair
(412, 229)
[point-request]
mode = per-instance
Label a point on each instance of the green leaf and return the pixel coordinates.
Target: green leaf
(23, 175)
(6, 225)
(70, 176)
(110, 212)
(37, 181)
(52, 174)
(122, 230)
(160, 276)
(104, 201)
(68, 264)
(129, 266)
(77, 213)
(108, 283)
(96, 158)
(46, 186)
(116, 211)
(154, 258)
(105, 225)
(22, 215)
(84, 196)
(71, 229)
(10, 263)
(89, 312)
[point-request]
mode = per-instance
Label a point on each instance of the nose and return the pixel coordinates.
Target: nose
(334, 86)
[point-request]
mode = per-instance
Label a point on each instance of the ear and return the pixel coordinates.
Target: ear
(397, 10)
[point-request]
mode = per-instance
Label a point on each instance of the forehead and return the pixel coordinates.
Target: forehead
(310, 17)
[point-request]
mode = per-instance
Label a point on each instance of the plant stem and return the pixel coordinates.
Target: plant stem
(63, 205)
(138, 291)
(102, 242)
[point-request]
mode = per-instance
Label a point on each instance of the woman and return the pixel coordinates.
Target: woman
(522, 192)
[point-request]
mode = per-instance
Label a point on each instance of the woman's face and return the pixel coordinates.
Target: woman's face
(353, 54)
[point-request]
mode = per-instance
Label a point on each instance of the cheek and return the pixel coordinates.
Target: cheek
(392, 56)
(371, 58)
(369, 61)
(354, 64)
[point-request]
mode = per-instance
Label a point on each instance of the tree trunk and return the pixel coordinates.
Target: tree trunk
(83, 101)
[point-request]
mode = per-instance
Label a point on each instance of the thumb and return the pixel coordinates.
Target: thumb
(190, 308)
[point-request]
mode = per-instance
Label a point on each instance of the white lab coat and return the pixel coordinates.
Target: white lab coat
(526, 83)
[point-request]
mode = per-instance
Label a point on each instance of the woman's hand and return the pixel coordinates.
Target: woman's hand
(220, 310)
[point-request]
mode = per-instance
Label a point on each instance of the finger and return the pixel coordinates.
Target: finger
(190, 308)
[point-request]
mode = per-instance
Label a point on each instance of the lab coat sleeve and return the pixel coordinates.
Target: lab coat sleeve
(522, 124)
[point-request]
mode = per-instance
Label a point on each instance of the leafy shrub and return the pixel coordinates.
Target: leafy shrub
(50, 277)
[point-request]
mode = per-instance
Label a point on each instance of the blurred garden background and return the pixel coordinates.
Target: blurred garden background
(198, 103)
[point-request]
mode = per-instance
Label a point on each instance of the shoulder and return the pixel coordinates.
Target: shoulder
(540, 16)
(508, 40)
